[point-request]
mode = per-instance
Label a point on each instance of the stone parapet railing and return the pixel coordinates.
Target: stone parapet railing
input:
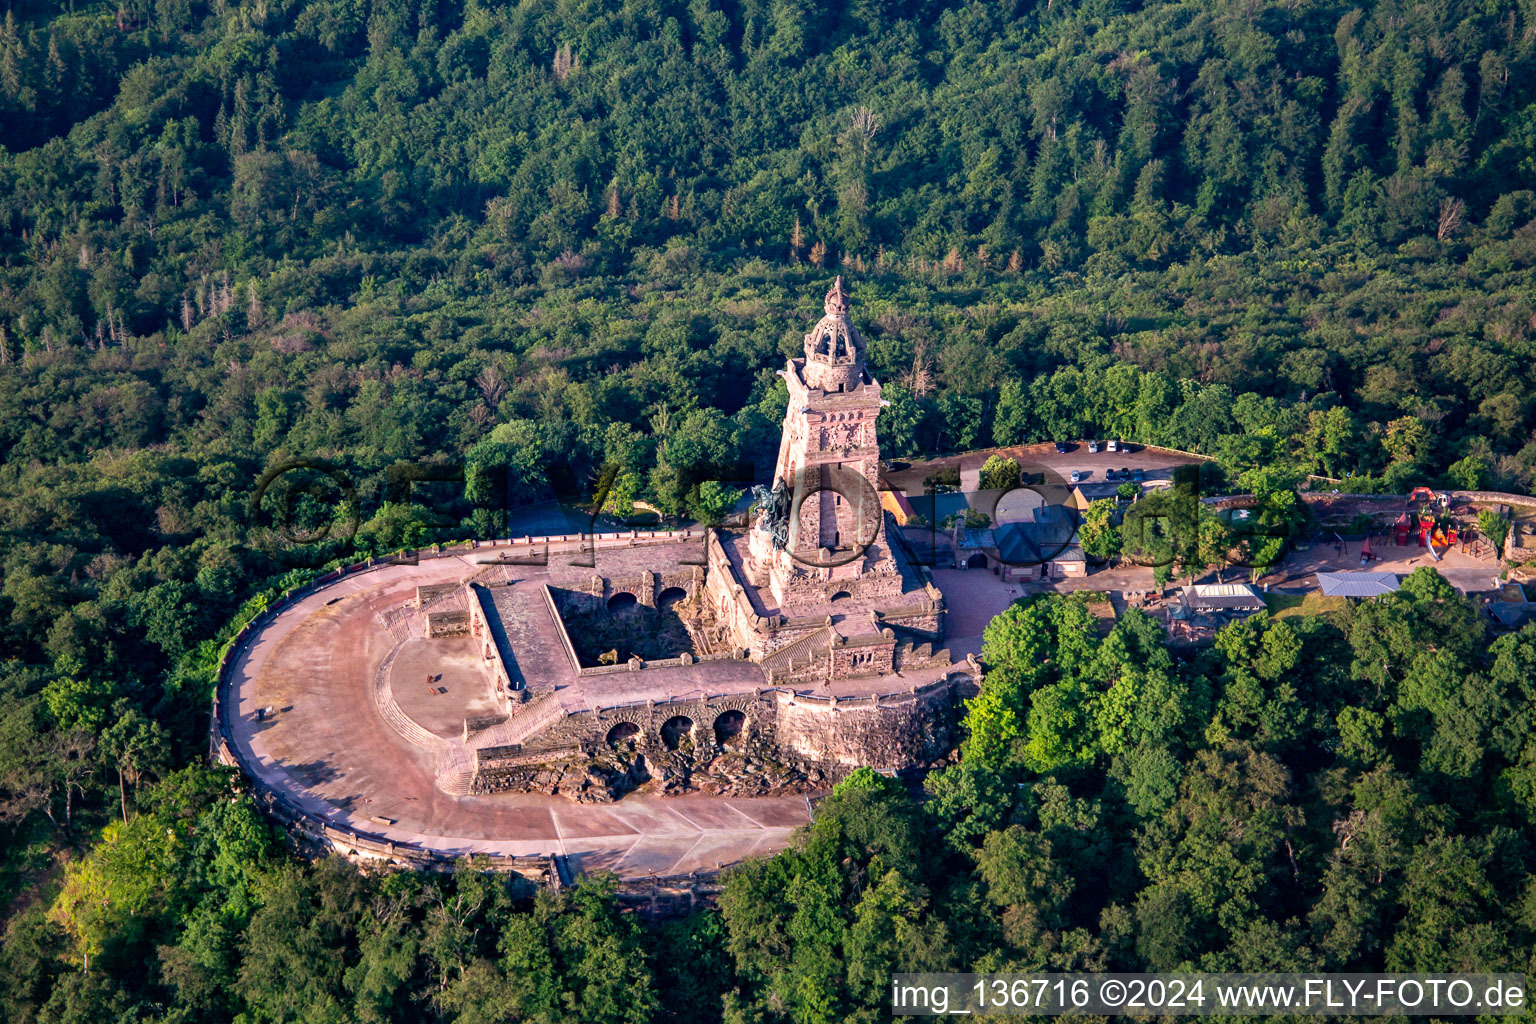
(677, 662)
(1498, 497)
(890, 699)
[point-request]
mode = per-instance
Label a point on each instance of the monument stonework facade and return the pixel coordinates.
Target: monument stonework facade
(829, 459)
(834, 579)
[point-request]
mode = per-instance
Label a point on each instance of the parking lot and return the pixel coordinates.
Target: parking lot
(1156, 464)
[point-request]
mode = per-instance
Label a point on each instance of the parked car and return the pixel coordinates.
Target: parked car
(1061, 447)
(1114, 446)
(1109, 474)
(1077, 476)
(1125, 474)
(1093, 447)
(1138, 474)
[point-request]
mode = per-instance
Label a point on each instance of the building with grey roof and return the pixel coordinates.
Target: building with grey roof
(1357, 584)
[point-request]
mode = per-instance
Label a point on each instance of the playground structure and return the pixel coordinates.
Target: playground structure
(1433, 522)
(1431, 526)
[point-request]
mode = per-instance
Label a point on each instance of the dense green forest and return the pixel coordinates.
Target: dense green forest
(1352, 793)
(1296, 235)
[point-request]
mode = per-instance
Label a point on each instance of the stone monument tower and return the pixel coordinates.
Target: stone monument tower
(828, 475)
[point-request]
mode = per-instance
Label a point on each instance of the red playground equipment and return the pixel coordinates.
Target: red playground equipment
(1438, 535)
(1403, 526)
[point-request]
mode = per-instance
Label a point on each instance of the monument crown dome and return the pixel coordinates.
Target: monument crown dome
(834, 350)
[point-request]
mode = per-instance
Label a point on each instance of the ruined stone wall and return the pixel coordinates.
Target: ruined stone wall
(733, 608)
(429, 592)
(913, 655)
(453, 623)
(647, 587)
(891, 732)
(480, 628)
(562, 602)
(594, 727)
(927, 625)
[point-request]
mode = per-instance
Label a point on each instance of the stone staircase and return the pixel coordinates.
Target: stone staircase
(460, 783)
(398, 720)
(797, 654)
(399, 623)
(455, 771)
(524, 724)
(496, 572)
(450, 601)
(410, 731)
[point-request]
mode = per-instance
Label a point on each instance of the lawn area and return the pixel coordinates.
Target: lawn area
(1288, 606)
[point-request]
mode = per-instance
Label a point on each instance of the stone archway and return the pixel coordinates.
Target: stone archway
(625, 733)
(623, 601)
(676, 731)
(841, 595)
(671, 596)
(730, 728)
(976, 561)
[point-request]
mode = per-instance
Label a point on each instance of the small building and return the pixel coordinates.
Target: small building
(1357, 584)
(1223, 599)
(1511, 609)
(1043, 547)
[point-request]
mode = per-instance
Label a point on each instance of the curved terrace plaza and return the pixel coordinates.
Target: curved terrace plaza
(330, 706)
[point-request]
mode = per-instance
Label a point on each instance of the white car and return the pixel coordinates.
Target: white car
(1114, 446)
(1093, 447)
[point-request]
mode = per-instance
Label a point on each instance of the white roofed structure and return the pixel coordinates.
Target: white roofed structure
(1357, 584)
(1223, 597)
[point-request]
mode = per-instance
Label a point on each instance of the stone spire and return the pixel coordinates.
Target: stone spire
(837, 303)
(834, 350)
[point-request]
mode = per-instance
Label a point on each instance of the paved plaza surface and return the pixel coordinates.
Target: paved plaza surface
(1464, 572)
(440, 682)
(326, 747)
(973, 598)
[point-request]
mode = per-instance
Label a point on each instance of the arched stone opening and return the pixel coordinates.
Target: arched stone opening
(976, 561)
(670, 597)
(676, 732)
(841, 595)
(622, 602)
(730, 728)
(625, 733)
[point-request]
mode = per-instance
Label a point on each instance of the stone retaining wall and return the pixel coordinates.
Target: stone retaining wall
(634, 664)
(891, 732)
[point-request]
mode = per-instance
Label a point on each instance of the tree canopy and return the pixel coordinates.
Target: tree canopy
(286, 281)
